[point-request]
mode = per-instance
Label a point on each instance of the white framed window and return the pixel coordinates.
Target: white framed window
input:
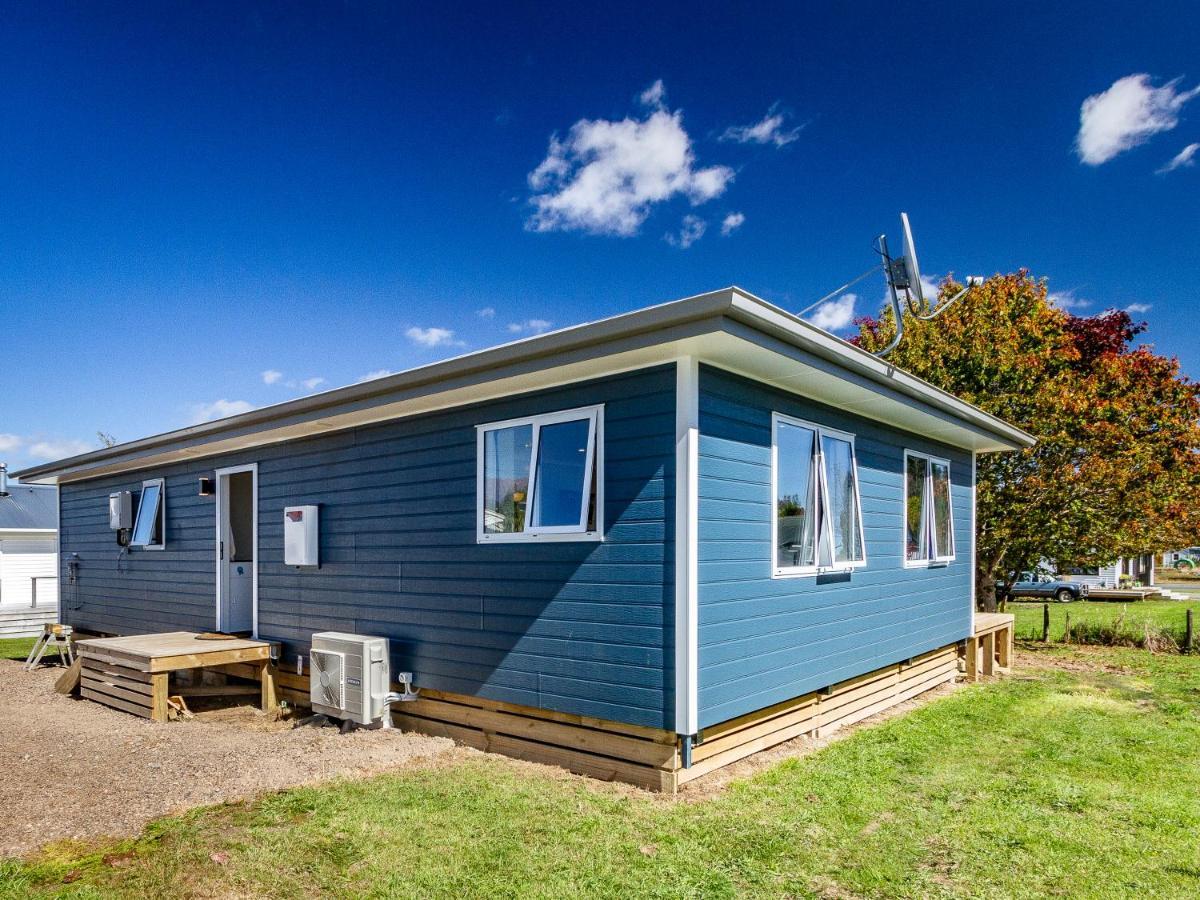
(539, 478)
(150, 524)
(818, 525)
(928, 513)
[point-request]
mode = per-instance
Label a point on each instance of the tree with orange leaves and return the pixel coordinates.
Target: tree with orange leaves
(1116, 470)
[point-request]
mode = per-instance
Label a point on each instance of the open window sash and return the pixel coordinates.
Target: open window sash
(149, 527)
(935, 539)
(942, 515)
(821, 549)
(850, 551)
(561, 491)
(534, 520)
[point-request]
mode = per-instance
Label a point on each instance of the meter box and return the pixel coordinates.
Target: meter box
(120, 510)
(300, 535)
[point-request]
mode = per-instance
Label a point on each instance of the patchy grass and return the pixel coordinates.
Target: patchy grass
(1074, 778)
(1109, 623)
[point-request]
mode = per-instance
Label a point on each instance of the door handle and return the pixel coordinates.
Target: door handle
(222, 550)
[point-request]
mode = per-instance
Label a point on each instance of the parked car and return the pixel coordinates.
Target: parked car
(1038, 584)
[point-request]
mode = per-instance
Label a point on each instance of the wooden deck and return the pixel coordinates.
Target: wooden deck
(132, 673)
(989, 650)
(22, 621)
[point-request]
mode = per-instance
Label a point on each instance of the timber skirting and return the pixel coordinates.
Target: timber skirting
(649, 757)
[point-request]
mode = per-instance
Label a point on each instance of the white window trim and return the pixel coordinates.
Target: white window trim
(927, 524)
(162, 512)
(595, 461)
(778, 571)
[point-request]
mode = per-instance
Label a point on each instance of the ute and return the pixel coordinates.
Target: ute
(1038, 584)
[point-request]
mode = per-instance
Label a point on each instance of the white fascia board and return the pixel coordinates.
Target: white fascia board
(770, 319)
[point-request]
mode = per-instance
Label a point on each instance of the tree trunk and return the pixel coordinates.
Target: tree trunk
(985, 591)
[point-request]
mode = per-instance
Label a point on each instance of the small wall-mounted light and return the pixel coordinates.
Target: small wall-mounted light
(207, 486)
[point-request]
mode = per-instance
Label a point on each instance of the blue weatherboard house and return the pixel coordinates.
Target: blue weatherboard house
(641, 547)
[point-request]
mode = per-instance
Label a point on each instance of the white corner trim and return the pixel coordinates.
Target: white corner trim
(687, 572)
(974, 533)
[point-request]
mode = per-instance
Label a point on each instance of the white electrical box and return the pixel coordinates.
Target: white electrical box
(349, 676)
(300, 535)
(120, 510)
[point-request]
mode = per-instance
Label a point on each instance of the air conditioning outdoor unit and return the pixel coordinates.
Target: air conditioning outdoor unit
(349, 676)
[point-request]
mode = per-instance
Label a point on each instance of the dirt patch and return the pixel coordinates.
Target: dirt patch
(1081, 659)
(75, 769)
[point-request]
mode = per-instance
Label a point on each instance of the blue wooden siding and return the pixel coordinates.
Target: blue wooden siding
(581, 627)
(762, 639)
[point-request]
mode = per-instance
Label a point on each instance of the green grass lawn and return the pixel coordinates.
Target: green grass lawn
(1076, 777)
(1167, 616)
(16, 648)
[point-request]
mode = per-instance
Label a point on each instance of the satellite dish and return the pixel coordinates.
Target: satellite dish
(903, 275)
(912, 270)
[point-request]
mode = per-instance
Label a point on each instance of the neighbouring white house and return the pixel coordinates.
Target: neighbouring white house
(1136, 568)
(28, 556)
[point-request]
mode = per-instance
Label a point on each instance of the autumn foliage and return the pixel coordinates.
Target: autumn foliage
(1116, 470)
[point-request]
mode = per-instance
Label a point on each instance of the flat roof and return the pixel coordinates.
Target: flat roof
(729, 327)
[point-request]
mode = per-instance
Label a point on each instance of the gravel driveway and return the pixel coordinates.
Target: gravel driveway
(71, 768)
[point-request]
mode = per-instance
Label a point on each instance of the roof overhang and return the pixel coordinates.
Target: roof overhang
(730, 329)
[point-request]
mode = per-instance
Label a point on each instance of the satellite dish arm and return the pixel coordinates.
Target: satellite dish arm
(897, 312)
(972, 281)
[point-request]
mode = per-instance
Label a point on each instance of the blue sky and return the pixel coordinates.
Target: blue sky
(209, 207)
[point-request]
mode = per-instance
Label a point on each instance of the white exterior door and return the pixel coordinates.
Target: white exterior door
(237, 549)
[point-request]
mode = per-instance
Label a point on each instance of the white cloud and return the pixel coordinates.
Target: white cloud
(1137, 308)
(691, 229)
(271, 376)
(732, 223)
(310, 383)
(1181, 159)
(432, 337)
(1126, 115)
(530, 326)
(378, 373)
(58, 449)
(1067, 300)
(9, 443)
(605, 176)
(767, 130)
(654, 95)
(836, 314)
(488, 312)
(218, 409)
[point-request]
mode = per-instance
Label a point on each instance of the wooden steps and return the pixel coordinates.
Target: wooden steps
(132, 673)
(989, 650)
